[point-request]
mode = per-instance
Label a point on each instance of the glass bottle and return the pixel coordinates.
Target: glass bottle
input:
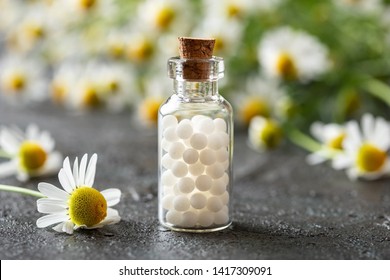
(195, 149)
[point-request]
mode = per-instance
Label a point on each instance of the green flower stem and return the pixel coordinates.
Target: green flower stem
(379, 89)
(20, 190)
(3, 154)
(303, 141)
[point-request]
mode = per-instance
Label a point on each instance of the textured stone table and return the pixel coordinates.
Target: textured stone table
(283, 208)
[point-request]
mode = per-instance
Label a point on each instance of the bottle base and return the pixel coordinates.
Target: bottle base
(196, 230)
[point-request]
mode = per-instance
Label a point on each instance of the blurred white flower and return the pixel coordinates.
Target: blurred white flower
(164, 15)
(22, 80)
(261, 98)
(31, 153)
(288, 54)
(141, 47)
(365, 149)
(78, 205)
(361, 6)
(264, 133)
(226, 43)
(331, 137)
(229, 9)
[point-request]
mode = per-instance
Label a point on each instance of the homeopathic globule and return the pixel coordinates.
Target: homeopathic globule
(195, 143)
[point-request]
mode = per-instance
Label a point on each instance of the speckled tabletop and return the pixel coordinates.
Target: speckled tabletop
(282, 208)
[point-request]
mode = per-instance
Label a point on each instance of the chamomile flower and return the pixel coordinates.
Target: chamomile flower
(288, 54)
(230, 9)
(164, 15)
(261, 98)
(264, 133)
(31, 153)
(140, 47)
(78, 205)
(22, 80)
(331, 136)
(65, 77)
(225, 42)
(365, 149)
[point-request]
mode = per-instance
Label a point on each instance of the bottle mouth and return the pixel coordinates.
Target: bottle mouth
(196, 69)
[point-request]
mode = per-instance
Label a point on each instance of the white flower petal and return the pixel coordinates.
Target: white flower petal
(9, 142)
(52, 164)
(52, 191)
(91, 170)
(58, 202)
(8, 168)
(83, 166)
(368, 123)
(68, 227)
(112, 196)
(48, 208)
(68, 172)
(342, 161)
(316, 158)
(354, 138)
(46, 141)
(111, 218)
(76, 170)
(64, 181)
(51, 219)
(58, 228)
(32, 132)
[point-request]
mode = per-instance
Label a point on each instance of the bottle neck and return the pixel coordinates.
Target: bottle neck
(198, 90)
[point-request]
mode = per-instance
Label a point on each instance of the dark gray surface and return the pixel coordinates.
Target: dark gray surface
(283, 208)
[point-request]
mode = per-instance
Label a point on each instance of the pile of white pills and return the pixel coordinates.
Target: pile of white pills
(195, 177)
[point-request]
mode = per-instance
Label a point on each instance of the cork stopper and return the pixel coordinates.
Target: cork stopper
(196, 47)
(196, 51)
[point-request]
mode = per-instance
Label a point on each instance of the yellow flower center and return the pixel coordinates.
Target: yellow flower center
(165, 17)
(58, 92)
(90, 97)
(233, 11)
(113, 86)
(337, 142)
(140, 51)
(271, 135)
(35, 31)
(32, 155)
(116, 50)
(254, 107)
(285, 67)
(219, 44)
(16, 82)
(370, 158)
(87, 206)
(149, 109)
(87, 4)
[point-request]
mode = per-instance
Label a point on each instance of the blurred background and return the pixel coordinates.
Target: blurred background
(294, 61)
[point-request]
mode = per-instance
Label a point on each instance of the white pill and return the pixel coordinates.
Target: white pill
(205, 125)
(173, 217)
(225, 179)
(215, 171)
(214, 204)
(224, 138)
(221, 217)
(167, 202)
(225, 198)
(198, 200)
(170, 134)
(196, 119)
(190, 156)
(185, 185)
(198, 141)
(207, 157)
(179, 169)
(196, 169)
(168, 190)
(222, 155)
(218, 187)
(176, 150)
(165, 144)
(168, 121)
(203, 183)
(205, 218)
(167, 161)
(189, 219)
(220, 124)
(168, 179)
(184, 129)
(225, 165)
(214, 141)
(181, 203)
